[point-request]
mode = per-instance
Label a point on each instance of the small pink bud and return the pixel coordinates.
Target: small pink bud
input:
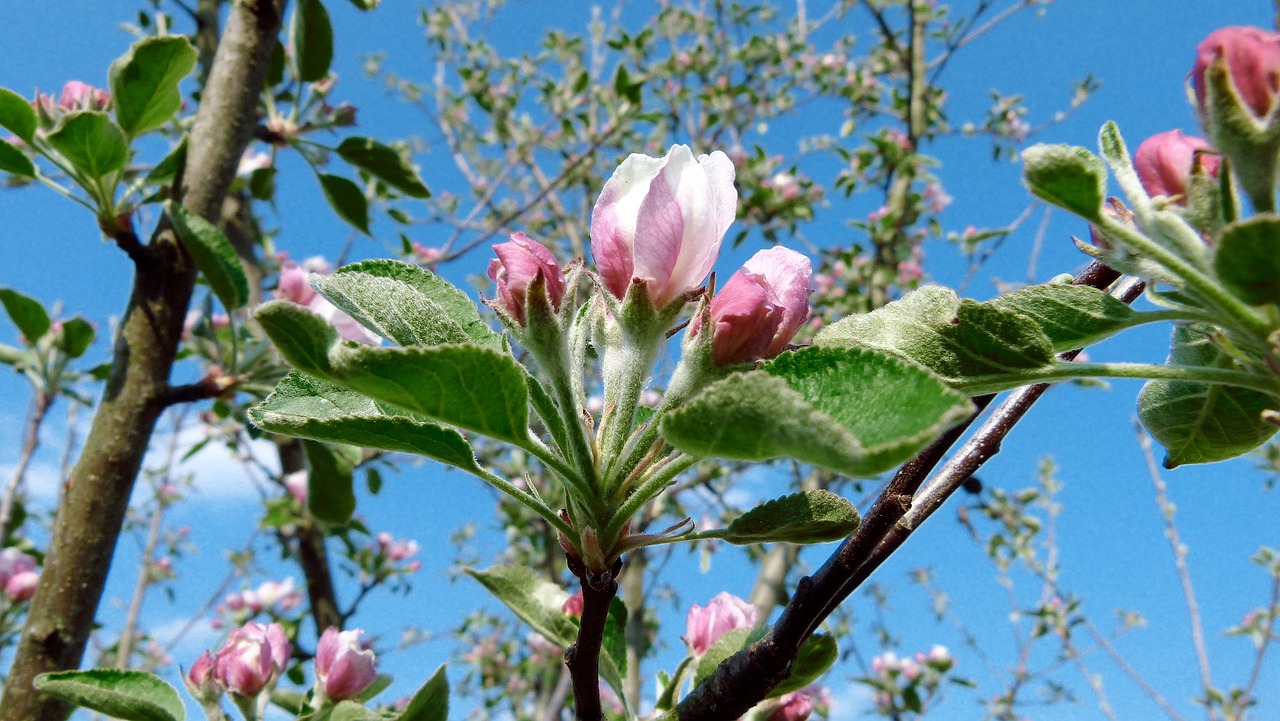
(252, 657)
(573, 605)
(1252, 58)
(757, 313)
(1164, 162)
(519, 262)
(296, 484)
(201, 680)
(795, 706)
(343, 667)
(22, 586)
(82, 96)
(661, 221)
(726, 612)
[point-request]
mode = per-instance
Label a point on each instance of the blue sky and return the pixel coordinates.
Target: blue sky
(1112, 549)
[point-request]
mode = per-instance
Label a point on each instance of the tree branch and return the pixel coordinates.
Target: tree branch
(583, 658)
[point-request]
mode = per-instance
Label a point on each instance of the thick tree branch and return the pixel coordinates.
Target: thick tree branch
(583, 657)
(96, 496)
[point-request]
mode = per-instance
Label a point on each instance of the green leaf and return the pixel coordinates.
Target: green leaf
(1248, 260)
(16, 115)
(213, 254)
(1066, 176)
(455, 303)
(307, 407)
(817, 655)
(76, 337)
(90, 142)
(129, 695)
(1071, 316)
(26, 313)
(431, 701)
(854, 411)
(614, 643)
(537, 601)
(391, 308)
(347, 200)
(167, 169)
(144, 82)
(1203, 422)
(15, 161)
(302, 337)
(352, 711)
(311, 36)
(806, 517)
(330, 480)
(728, 644)
(384, 163)
(380, 683)
(956, 339)
(467, 386)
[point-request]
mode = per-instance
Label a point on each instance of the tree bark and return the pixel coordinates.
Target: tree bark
(96, 495)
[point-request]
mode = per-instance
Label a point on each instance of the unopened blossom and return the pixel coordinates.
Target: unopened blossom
(795, 706)
(1164, 162)
(1252, 59)
(201, 679)
(252, 161)
(18, 575)
(660, 221)
(296, 484)
(760, 308)
(253, 656)
(83, 96)
(726, 612)
(344, 668)
(396, 550)
(294, 286)
(574, 604)
(427, 254)
(520, 262)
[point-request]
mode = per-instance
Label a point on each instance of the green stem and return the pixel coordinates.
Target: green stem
(647, 490)
(1244, 316)
(526, 498)
(1068, 371)
(549, 458)
(632, 363)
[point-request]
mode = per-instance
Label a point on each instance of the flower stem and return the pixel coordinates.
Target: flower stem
(1149, 371)
(526, 498)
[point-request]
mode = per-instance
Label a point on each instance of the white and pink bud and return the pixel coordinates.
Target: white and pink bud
(757, 313)
(252, 658)
(1166, 161)
(726, 612)
(344, 668)
(520, 262)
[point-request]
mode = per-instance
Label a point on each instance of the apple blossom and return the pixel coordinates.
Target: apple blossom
(1164, 163)
(294, 286)
(201, 680)
(795, 706)
(252, 657)
(18, 574)
(760, 308)
(83, 96)
(661, 220)
(519, 263)
(726, 612)
(1252, 59)
(343, 667)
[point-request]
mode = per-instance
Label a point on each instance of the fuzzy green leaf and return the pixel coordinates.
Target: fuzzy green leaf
(1066, 176)
(537, 601)
(144, 82)
(453, 302)
(330, 480)
(1248, 259)
(311, 35)
(90, 142)
(805, 517)
(1203, 422)
(347, 200)
(818, 654)
(26, 313)
(728, 644)
(302, 337)
(16, 115)
(129, 695)
(384, 163)
(1071, 316)
(15, 161)
(308, 407)
(431, 701)
(213, 254)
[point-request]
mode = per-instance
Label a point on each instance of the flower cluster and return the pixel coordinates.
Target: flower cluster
(249, 662)
(907, 684)
(269, 594)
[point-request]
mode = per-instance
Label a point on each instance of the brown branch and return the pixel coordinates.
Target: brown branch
(313, 557)
(93, 506)
(583, 658)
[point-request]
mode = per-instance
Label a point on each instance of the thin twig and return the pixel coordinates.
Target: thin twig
(39, 408)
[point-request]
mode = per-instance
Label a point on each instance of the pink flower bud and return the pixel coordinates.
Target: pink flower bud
(22, 586)
(252, 657)
(519, 262)
(343, 667)
(661, 221)
(795, 706)
(726, 612)
(573, 605)
(1164, 162)
(296, 484)
(1252, 58)
(293, 285)
(18, 574)
(757, 313)
(82, 96)
(201, 680)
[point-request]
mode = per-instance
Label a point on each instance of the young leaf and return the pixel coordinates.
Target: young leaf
(956, 339)
(431, 701)
(15, 161)
(614, 644)
(467, 386)
(16, 115)
(330, 483)
(307, 407)
(347, 200)
(1248, 260)
(167, 169)
(352, 711)
(1071, 316)
(311, 36)
(1203, 422)
(129, 695)
(455, 303)
(26, 313)
(728, 644)
(144, 82)
(302, 337)
(77, 335)
(1066, 176)
(537, 601)
(90, 142)
(213, 254)
(385, 164)
(392, 309)
(818, 654)
(805, 517)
